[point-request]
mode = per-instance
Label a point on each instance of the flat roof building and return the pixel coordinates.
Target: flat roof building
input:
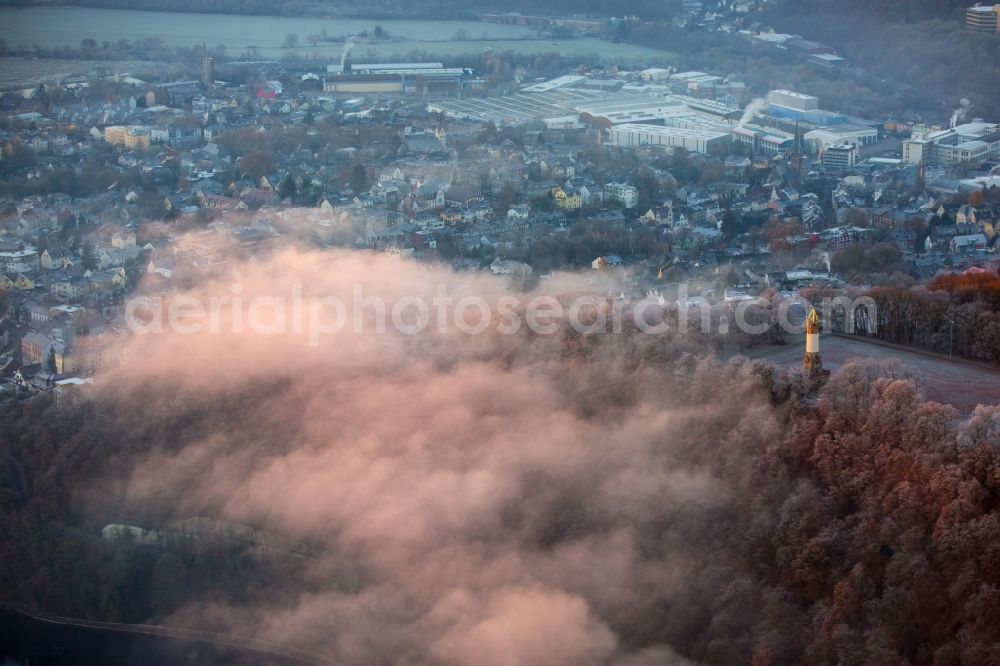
(694, 140)
(568, 81)
(520, 108)
(763, 140)
(372, 68)
(597, 108)
(709, 106)
(972, 143)
(396, 78)
(655, 74)
(793, 100)
(983, 18)
(695, 80)
(840, 157)
(827, 60)
(819, 140)
(629, 109)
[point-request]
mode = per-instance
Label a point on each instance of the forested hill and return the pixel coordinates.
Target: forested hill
(880, 10)
(919, 44)
(843, 17)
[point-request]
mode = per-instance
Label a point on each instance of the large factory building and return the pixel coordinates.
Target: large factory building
(411, 78)
(694, 140)
(763, 140)
(972, 143)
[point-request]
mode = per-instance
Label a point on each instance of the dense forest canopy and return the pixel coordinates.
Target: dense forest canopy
(921, 46)
(880, 10)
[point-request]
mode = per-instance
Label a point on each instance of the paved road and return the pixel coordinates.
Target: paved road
(962, 385)
(224, 640)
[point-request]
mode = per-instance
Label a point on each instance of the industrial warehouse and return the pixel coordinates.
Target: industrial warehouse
(968, 143)
(667, 116)
(695, 140)
(413, 78)
(668, 121)
(553, 107)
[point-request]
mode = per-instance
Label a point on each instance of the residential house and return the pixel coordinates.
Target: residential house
(68, 287)
(67, 312)
(62, 355)
(160, 264)
(461, 195)
(35, 348)
(651, 217)
(93, 352)
(25, 260)
(882, 216)
(18, 281)
(175, 202)
(607, 261)
(37, 314)
(270, 182)
(567, 200)
(53, 260)
(904, 239)
(111, 280)
(519, 213)
(66, 390)
(123, 239)
(254, 198)
(217, 202)
(510, 267)
(968, 242)
(966, 215)
(736, 164)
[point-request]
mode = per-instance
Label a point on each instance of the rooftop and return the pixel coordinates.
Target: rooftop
(559, 82)
(686, 132)
(395, 66)
(796, 95)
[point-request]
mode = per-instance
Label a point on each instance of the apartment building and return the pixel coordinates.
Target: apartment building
(627, 195)
(984, 18)
(131, 136)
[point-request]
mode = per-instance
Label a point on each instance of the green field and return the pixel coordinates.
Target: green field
(66, 26)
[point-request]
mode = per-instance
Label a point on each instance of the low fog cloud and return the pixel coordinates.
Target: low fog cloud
(469, 499)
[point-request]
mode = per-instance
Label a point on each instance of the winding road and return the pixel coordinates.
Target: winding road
(224, 640)
(961, 383)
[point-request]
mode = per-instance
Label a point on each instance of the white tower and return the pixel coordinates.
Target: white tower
(812, 362)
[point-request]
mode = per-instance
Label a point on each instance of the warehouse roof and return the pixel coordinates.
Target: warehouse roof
(685, 132)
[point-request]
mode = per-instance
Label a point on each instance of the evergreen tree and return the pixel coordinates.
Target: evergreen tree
(287, 189)
(359, 179)
(88, 259)
(50, 364)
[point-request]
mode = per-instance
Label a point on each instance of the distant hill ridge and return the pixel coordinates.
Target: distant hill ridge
(385, 9)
